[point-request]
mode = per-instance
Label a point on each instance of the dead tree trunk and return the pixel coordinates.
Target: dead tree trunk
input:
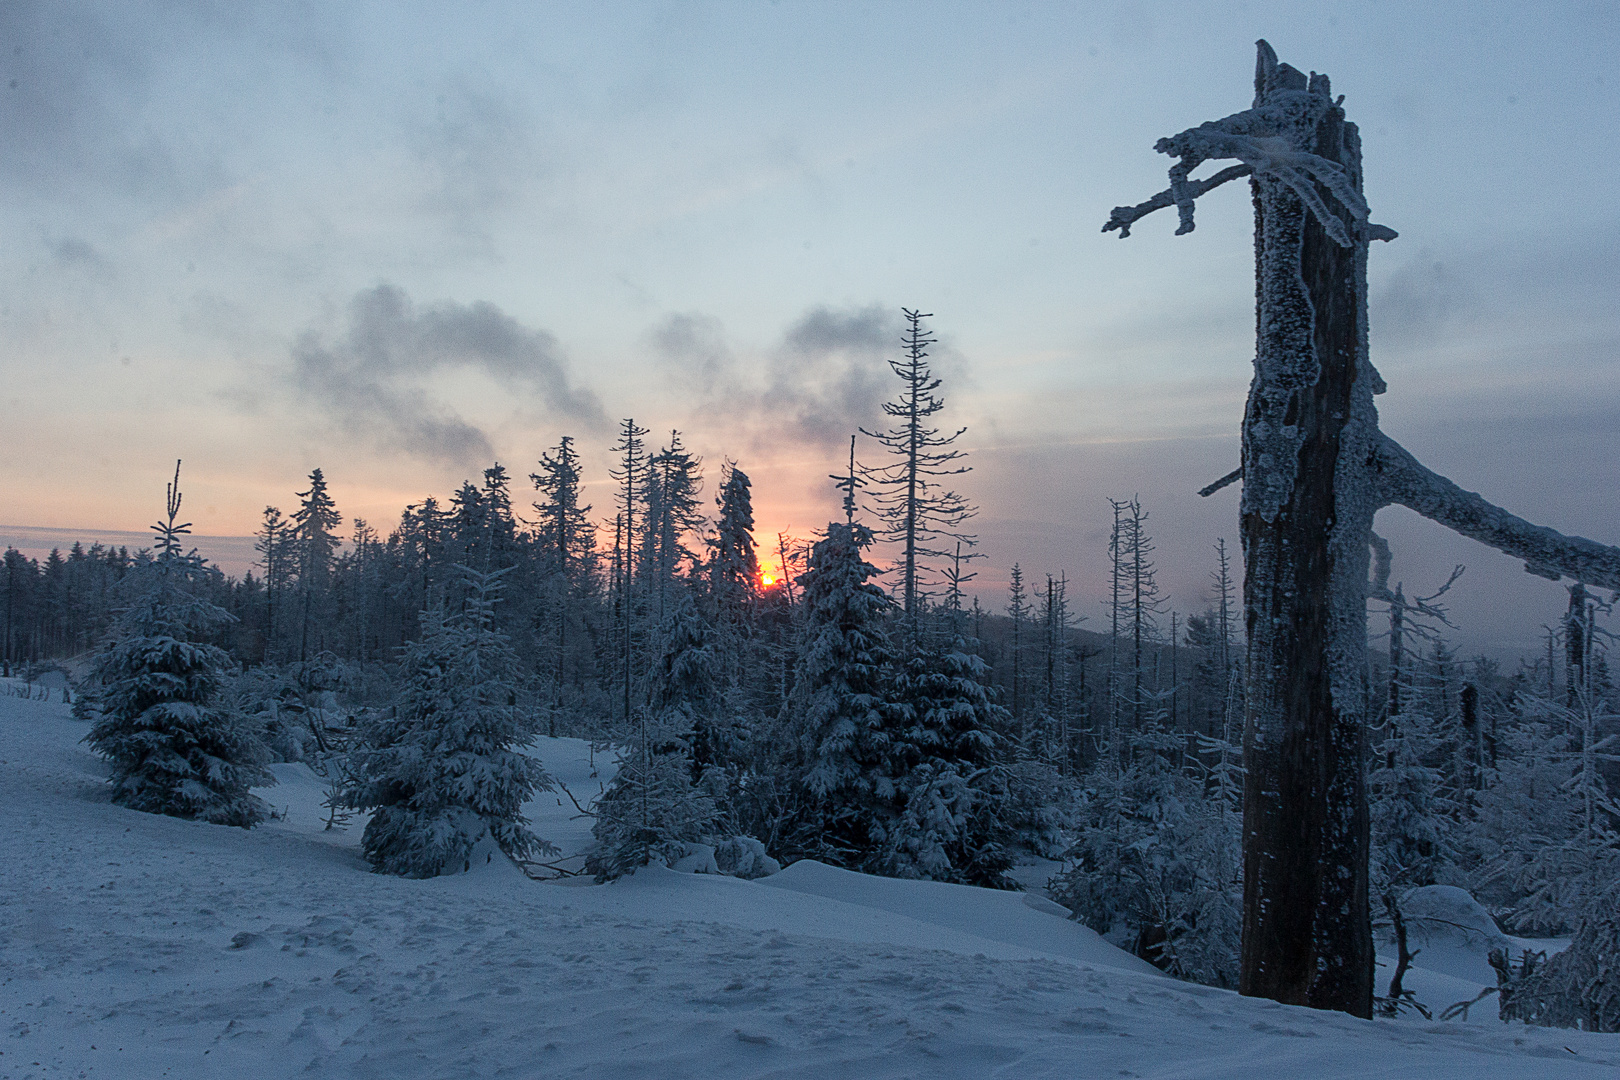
(1315, 470)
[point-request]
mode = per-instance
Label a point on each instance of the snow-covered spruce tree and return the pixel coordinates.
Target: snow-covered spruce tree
(1411, 820)
(748, 678)
(1155, 866)
(1549, 828)
(1018, 611)
(653, 810)
(631, 475)
(566, 544)
(839, 702)
(173, 745)
(670, 491)
(947, 815)
(733, 564)
(314, 546)
(445, 770)
(1315, 470)
(1576, 988)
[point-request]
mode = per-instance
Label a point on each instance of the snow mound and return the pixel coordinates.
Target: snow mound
(1451, 934)
(1447, 914)
(1010, 918)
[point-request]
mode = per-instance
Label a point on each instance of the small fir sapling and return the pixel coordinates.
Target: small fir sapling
(174, 745)
(446, 770)
(652, 811)
(947, 815)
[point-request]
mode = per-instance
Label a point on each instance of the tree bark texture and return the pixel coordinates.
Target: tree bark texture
(1307, 509)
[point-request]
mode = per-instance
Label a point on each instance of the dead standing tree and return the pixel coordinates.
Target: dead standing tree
(1316, 468)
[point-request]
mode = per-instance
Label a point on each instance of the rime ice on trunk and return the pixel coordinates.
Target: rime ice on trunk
(1306, 514)
(1316, 468)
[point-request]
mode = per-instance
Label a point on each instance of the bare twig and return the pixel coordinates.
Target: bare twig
(1230, 478)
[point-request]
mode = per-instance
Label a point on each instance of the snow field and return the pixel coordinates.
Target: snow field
(140, 946)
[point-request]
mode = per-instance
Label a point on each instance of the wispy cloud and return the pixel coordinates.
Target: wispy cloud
(367, 381)
(825, 378)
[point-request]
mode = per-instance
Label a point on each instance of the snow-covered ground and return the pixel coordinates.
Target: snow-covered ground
(141, 946)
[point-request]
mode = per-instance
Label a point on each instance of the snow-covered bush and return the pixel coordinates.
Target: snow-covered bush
(174, 745)
(1577, 988)
(1412, 822)
(1547, 832)
(1157, 866)
(744, 857)
(445, 771)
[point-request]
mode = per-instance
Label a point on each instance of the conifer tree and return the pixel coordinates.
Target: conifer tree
(673, 483)
(1018, 610)
(652, 810)
(567, 543)
(446, 770)
(733, 563)
(631, 474)
(272, 542)
(908, 494)
(839, 694)
(1156, 865)
(316, 542)
(174, 746)
(947, 816)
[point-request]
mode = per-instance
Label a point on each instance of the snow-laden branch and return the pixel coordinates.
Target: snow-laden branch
(1269, 140)
(1546, 553)
(1255, 138)
(1124, 217)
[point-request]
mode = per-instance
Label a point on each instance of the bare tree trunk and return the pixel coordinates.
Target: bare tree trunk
(1315, 470)
(1307, 510)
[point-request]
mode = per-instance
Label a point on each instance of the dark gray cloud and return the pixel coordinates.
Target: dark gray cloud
(695, 350)
(364, 381)
(827, 376)
(831, 373)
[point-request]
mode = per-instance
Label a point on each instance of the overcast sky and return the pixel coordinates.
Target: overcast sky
(398, 241)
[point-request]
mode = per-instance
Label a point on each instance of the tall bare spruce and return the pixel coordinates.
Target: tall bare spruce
(908, 495)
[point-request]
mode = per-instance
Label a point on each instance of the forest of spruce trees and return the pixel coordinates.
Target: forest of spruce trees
(836, 697)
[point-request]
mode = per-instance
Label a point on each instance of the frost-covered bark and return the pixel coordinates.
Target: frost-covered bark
(1315, 470)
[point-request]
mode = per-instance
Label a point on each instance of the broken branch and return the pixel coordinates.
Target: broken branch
(1546, 553)
(1124, 217)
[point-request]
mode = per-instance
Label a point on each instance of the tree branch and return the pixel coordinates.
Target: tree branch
(1546, 553)
(1230, 478)
(1124, 217)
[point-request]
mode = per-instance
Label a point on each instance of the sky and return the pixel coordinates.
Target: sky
(401, 241)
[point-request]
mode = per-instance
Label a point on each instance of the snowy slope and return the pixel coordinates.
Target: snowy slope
(140, 946)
